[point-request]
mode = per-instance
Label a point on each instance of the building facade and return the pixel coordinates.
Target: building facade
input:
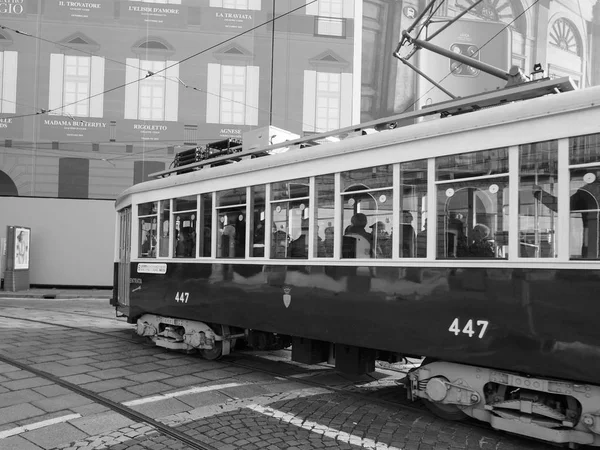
(95, 96)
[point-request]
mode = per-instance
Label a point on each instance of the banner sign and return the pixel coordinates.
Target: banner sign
(222, 19)
(11, 128)
(167, 15)
(139, 130)
(59, 128)
(12, 8)
(212, 131)
(79, 10)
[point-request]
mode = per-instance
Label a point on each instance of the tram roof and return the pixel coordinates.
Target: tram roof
(520, 102)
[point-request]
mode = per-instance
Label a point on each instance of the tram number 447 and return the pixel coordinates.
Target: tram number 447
(182, 297)
(469, 328)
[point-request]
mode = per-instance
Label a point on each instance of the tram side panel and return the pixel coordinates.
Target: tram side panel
(526, 320)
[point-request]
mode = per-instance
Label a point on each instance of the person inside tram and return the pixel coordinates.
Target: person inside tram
(457, 246)
(186, 244)
(422, 241)
(585, 201)
(480, 245)
(358, 224)
(328, 242)
(357, 241)
(407, 250)
(382, 241)
(299, 246)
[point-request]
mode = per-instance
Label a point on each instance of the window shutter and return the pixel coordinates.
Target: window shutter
(213, 92)
(132, 73)
(254, 5)
(346, 100)
(97, 87)
(309, 104)
(55, 96)
(216, 3)
(9, 88)
(348, 9)
(252, 94)
(172, 91)
(312, 9)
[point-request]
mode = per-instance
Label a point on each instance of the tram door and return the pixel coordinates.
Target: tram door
(124, 256)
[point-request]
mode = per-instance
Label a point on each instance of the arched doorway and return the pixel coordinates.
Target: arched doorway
(7, 186)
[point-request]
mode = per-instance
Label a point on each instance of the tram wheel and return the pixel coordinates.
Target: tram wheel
(214, 353)
(446, 412)
(217, 351)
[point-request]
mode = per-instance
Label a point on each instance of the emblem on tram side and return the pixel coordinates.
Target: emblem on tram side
(287, 298)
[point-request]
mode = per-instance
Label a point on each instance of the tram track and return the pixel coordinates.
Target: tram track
(252, 359)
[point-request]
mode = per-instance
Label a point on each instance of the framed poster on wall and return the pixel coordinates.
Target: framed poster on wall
(18, 248)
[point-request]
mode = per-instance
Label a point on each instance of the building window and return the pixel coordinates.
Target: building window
(254, 5)
(75, 82)
(8, 82)
(329, 21)
(153, 97)
(327, 100)
(232, 94)
(73, 177)
(564, 35)
(330, 16)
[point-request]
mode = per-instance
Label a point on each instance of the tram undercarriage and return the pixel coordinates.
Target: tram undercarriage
(551, 410)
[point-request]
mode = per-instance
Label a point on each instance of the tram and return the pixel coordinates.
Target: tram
(472, 241)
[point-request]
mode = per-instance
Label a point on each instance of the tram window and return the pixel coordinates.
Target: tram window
(367, 208)
(290, 219)
(147, 221)
(165, 220)
(472, 164)
(257, 221)
(231, 216)
(184, 226)
(325, 212)
(205, 225)
(584, 242)
(412, 237)
(473, 213)
(538, 206)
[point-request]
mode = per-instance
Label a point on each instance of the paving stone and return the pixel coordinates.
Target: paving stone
(147, 389)
(26, 383)
(78, 361)
(19, 375)
(62, 402)
(162, 408)
(52, 390)
(108, 385)
(103, 365)
(18, 443)
(148, 377)
(120, 395)
(101, 423)
(15, 397)
(53, 436)
(80, 379)
(117, 372)
(184, 381)
(18, 412)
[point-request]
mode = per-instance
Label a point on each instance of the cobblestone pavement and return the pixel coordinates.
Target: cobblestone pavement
(266, 406)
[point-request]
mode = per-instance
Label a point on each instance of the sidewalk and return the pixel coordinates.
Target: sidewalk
(58, 293)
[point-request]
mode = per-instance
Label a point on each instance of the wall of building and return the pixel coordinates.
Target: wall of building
(72, 241)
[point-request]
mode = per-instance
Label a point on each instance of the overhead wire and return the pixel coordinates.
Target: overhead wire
(150, 73)
(487, 42)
